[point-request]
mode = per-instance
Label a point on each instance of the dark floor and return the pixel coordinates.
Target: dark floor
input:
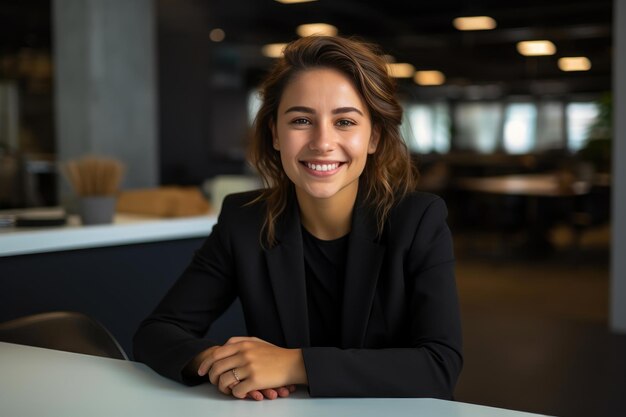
(536, 334)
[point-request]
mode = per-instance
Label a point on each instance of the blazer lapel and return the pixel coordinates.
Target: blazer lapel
(285, 262)
(363, 264)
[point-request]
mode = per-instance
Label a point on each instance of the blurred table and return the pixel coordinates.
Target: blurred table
(533, 185)
(541, 192)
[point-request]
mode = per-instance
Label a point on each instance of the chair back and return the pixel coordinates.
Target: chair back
(63, 330)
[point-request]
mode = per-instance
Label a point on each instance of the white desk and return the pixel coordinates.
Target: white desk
(42, 382)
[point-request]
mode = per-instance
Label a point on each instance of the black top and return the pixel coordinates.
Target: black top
(325, 268)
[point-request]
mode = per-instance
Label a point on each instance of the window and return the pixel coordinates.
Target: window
(549, 126)
(254, 104)
(580, 117)
(426, 127)
(478, 126)
(520, 128)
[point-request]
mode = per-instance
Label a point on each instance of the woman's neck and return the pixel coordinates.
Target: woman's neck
(327, 218)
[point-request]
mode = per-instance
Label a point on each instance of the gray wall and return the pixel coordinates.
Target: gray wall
(105, 83)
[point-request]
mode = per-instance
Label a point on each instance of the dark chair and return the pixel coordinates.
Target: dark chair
(63, 330)
(590, 210)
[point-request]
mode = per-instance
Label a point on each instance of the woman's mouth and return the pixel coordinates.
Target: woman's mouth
(322, 167)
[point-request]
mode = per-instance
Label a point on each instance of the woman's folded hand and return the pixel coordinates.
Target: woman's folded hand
(248, 367)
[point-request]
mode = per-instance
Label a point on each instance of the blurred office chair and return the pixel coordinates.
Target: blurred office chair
(63, 330)
(590, 210)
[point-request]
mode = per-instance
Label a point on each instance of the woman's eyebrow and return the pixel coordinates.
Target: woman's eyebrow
(339, 110)
(300, 109)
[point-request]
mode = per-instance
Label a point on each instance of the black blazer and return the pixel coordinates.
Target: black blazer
(401, 333)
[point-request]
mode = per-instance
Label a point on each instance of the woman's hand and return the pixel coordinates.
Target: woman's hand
(271, 393)
(258, 367)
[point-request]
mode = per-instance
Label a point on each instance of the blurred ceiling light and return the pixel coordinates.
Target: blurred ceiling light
(322, 29)
(294, 1)
(429, 78)
(474, 23)
(400, 70)
(273, 50)
(574, 63)
(536, 48)
(217, 35)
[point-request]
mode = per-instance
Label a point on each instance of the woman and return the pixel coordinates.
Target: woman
(345, 274)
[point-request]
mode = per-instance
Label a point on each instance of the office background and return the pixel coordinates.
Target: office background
(150, 82)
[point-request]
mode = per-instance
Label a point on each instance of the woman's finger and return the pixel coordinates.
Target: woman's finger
(228, 380)
(232, 365)
(239, 339)
(215, 355)
(269, 393)
(255, 395)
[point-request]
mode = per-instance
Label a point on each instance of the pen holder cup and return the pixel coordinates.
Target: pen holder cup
(97, 209)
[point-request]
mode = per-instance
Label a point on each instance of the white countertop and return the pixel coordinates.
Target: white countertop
(126, 229)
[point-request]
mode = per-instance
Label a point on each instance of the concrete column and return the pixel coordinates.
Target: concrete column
(9, 115)
(105, 84)
(618, 255)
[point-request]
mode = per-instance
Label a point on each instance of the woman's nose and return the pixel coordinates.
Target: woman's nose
(322, 139)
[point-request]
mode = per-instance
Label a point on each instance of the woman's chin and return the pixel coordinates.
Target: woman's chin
(321, 194)
(325, 192)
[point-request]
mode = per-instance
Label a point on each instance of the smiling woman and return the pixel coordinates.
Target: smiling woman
(344, 272)
(324, 138)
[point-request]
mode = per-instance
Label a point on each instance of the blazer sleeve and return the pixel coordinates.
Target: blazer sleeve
(429, 364)
(173, 334)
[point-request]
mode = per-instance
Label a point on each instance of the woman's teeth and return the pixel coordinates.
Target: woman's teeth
(322, 167)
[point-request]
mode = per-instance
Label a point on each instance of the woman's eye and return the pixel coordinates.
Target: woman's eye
(345, 123)
(300, 122)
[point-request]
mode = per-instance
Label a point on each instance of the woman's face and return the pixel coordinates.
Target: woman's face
(324, 133)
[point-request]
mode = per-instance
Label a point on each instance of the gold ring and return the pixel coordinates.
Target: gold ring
(234, 371)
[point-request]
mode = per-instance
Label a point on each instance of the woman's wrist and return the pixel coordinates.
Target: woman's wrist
(298, 371)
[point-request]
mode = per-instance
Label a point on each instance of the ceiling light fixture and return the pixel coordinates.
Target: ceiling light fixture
(536, 48)
(474, 23)
(429, 78)
(294, 1)
(273, 50)
(217, 35)
(319, 29)
(400, 70)
(574, 63)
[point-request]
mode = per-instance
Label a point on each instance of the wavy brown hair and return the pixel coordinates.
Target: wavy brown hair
(389, 173)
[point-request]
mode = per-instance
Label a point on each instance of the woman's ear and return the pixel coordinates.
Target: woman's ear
(275, 142)
(374, 139)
